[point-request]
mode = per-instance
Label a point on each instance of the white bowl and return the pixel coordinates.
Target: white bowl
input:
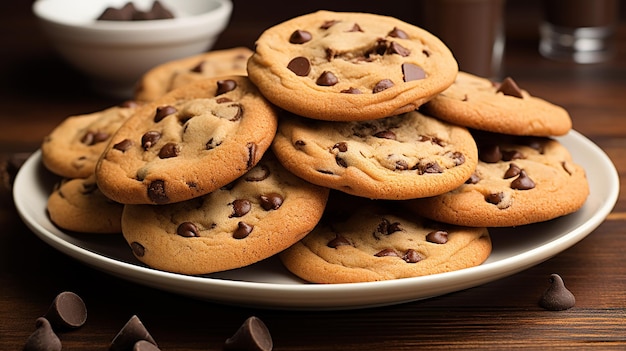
(115, 54)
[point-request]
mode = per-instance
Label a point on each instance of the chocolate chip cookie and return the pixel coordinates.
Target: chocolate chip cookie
(173, 74)
(187, 143)
(258, 215)
(518, 180)
(74, 146)
(347, 66)
(399, 157)
(499, 107)
(373, 241)
(78, 205)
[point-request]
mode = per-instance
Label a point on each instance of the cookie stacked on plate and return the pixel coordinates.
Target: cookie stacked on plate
(351, 147)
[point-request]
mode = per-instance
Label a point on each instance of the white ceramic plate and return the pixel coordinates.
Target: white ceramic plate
(268, 285)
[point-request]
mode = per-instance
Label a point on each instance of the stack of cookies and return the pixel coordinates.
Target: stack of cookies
(350, 146)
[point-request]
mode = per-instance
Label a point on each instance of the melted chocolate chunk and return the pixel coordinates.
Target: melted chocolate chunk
(327, 79)
(157, 193)
(300, 37)
(430, 167)
(241, 207)
(187, 230)
(412, 72)
(242, 231)
(395, 48)
(163, 111)
(132, 332)
(385, 227)
(169, 150)
(522, 182)
(137, 249)
(411, 256)
(123, 145)
(300, 66)
(339, 241)
(437, 237)
(495, 198)
(398, 33)
(387, 253)
(149, 139)
(251, 335)
(382, 85)
(43, 338)
(271, 201)
(224, 86)
(510, 88)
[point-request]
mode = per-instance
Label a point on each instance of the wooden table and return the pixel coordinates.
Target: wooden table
(38, 91)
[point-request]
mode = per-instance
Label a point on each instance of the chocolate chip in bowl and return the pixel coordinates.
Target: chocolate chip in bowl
(114, 54)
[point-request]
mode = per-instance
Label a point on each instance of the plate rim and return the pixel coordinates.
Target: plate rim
(325, 296)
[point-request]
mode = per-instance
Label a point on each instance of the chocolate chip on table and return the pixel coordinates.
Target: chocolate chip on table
(143, 345)
(187, 230)
(522, 182)
(163, 111)
(43, 338)
(557, 297)
(327, 79)
(252, 335)
(437, 237)
(382, 85)
(510, 88)
(411, 72)
(67, 311)
(271, 201)
(243, 230)
(300, 37)
(300, 66)
(130, 334)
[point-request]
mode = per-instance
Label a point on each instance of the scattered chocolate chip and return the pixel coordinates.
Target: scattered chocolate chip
(411, 256)
(271, 201)
(328, 24)
(224, 86)
(143, 345)
(157, 193)
(242, 231)
(300, 37)
(187, 230)
(240, 208)
(512, 171)
(386, 134)
(67, 311)
(398, 33)
(387, 253)
(351, 90)
(412, 72)
(490, 153)
(300, 66)
(169, 150)
(494, 198)
(92, 138)
(131, 332)
(253, 334)
(437, 237)
(149, 139)
(522, 182)
(509, 87)
(43, 338)
(339, 241)
(557, 297)
(327, 79)
(382, 85)
(123, 145)
(137, 249)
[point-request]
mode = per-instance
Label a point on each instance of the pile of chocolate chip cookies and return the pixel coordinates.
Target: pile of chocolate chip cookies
(348, 144)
